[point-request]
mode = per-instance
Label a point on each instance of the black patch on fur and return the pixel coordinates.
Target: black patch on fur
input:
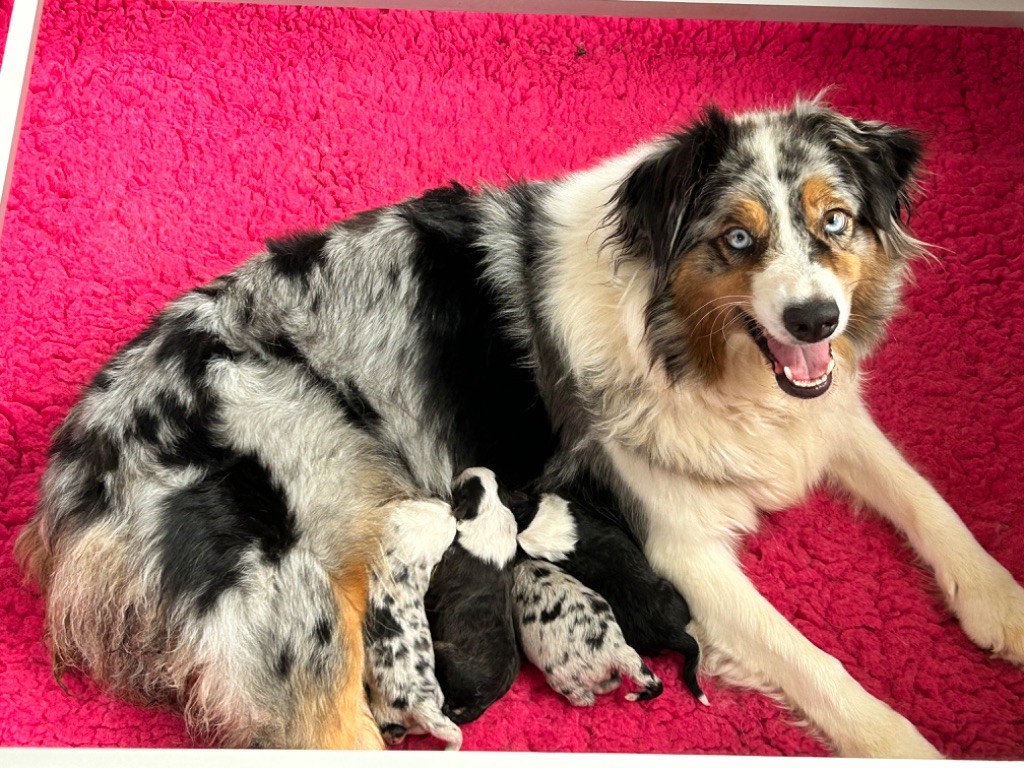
(546, 617)
(193, 443)
(400, 703)
(381, 624)
(189, 348)
(102, 381)
(466, 498)
(285, 662)
(472, 367)
(323, 631)
(94, 454)
(347, 396)
(207, 528)
(296, 256)
(654, 206)
(476, 654)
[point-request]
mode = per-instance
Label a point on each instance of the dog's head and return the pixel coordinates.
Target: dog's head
(784, 227)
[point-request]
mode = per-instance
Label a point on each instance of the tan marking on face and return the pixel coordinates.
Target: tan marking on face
(750, 215)
(871, 298)
(817, 197)
(706, 304)
(846, 254)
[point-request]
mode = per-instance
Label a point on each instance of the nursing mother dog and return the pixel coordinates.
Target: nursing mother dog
(675, 333)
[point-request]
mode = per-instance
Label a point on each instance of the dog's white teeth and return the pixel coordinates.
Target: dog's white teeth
(831, 366)
(808, 384)
(812, 383)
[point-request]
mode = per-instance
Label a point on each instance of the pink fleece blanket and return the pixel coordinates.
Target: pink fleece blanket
(162, 141)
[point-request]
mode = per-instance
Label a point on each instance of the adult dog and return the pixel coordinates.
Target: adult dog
(675, 333)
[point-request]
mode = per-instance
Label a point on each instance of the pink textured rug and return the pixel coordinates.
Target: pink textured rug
(163, 141)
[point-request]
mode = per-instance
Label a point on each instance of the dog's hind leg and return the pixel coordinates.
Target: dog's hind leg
(346, 722)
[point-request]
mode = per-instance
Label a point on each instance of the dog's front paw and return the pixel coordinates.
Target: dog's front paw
(991, 611)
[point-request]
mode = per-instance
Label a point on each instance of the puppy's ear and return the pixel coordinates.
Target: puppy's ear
(653, 208)
(466, 498)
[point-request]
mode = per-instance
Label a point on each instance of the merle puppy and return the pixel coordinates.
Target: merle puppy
(570, 633)
(589, 542)
(403, 692)
(469, 603)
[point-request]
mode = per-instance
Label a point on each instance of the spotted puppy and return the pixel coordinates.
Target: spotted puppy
(588, 542)
(570, 632)
(402, 688)
(469, 603)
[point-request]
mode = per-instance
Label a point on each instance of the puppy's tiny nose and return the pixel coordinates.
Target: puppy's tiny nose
(811, 321)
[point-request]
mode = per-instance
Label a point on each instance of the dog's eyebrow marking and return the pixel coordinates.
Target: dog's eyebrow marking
(817, 196)
(752, 216)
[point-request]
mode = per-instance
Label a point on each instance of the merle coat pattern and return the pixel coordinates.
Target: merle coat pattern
(403, 691)
(569, 632)
(680, 327)
(588, 544)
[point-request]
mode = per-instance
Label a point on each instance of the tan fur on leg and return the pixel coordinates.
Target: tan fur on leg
(347, 723)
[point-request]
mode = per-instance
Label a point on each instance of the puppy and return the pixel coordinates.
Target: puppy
(403, 692)
(469, 603)
(569, 632)
(588, 545)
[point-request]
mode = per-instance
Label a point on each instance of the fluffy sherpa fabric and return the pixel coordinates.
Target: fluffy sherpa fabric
(162, 141)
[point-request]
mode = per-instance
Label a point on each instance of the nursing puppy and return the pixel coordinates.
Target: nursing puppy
(588, 545)
(469, 603)
(403, 691)
(569, 632)
(681, 327)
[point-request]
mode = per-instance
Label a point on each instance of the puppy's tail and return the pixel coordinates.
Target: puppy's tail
(687, 645)
(650, 684)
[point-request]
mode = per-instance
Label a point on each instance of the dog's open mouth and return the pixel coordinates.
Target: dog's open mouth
(801, 370)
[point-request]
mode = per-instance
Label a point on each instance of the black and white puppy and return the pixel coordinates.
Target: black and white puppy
(469, 603)
(587, 543)
(569, 632)
(402, 689)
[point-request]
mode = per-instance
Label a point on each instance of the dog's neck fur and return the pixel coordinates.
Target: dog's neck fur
(740, 430)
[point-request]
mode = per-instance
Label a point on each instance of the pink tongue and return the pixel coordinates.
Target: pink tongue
(806, 362)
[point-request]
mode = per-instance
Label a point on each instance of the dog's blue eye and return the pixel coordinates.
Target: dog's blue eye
(835, 222)
(738, 239)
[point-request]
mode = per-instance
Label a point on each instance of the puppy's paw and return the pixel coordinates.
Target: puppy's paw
(609, 685)
(580, 698)
(991, 611)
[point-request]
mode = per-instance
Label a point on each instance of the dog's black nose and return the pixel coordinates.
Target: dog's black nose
(812, 321)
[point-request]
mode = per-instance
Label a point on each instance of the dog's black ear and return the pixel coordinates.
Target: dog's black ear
(883, 161)
(652, 209)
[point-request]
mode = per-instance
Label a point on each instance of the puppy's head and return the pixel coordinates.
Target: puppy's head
(486, 526)
(784, 228)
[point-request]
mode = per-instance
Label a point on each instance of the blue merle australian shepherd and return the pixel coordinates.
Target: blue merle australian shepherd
(677, 329)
